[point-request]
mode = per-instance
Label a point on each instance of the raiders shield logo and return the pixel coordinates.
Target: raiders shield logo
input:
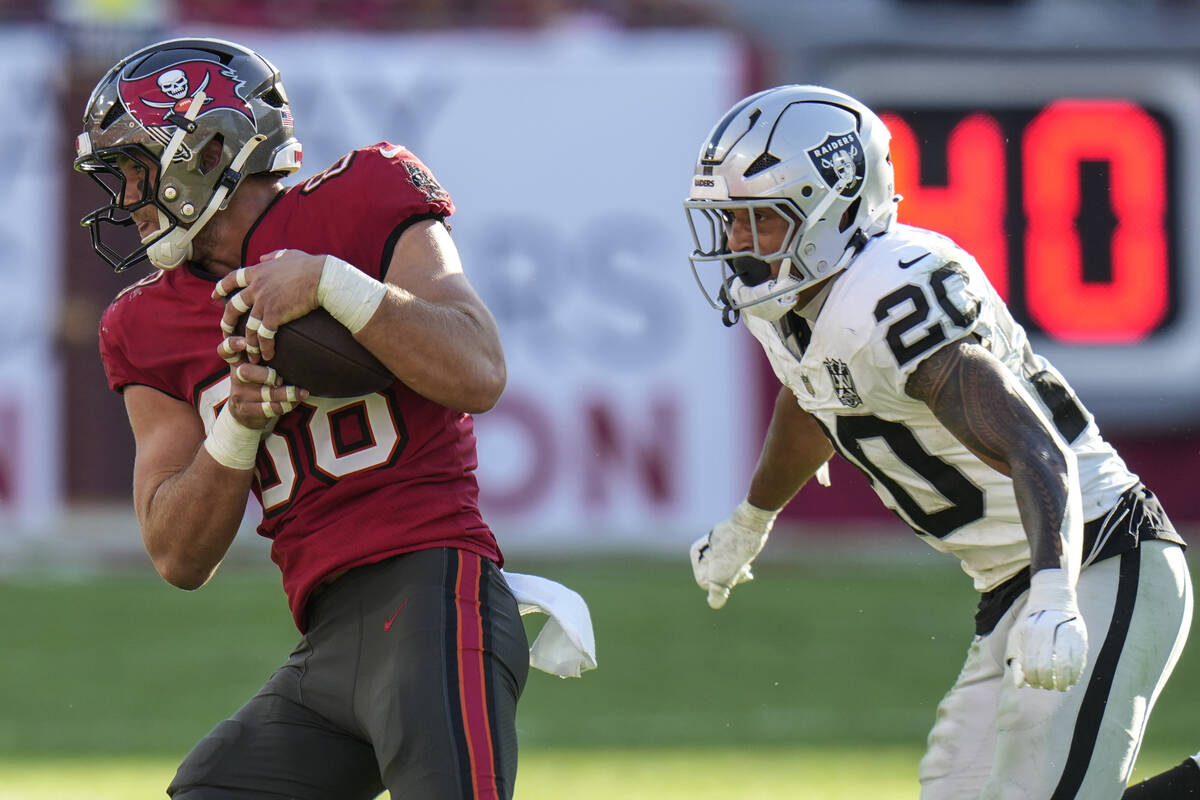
(839, 160)
(843, 384)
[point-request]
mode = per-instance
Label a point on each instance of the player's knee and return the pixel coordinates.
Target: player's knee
(199, 764)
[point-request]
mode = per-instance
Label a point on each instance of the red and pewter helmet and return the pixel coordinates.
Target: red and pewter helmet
(164, 105)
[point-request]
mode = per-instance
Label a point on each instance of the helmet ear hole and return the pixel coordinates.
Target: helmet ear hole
(210, 155)
(763, 162)
(849, 215)
(273, 98)
(114, 113)
(806, 191)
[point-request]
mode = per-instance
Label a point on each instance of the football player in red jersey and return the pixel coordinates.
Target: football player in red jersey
(413, 654)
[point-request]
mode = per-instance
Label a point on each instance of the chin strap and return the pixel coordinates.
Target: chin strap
(175, 247)
(768, 300)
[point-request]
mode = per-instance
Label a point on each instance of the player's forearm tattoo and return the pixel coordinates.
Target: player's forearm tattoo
(969, 410)
(969, 395)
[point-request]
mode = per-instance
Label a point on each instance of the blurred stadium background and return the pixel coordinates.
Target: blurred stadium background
(1056, 139)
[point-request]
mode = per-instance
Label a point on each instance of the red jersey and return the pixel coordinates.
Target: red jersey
(343, 481)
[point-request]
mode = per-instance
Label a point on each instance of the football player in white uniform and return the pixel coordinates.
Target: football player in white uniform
(895, 352)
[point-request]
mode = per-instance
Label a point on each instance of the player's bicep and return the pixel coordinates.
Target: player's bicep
(166, 433)
(425, 262)
(799, 431)
(795, 447)
(975, 398)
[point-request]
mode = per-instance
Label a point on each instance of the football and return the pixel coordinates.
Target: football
(318, 353)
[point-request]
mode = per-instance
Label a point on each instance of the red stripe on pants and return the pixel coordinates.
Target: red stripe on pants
(472, 680)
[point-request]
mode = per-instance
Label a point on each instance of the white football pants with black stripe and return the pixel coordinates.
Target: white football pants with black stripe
(997, 742)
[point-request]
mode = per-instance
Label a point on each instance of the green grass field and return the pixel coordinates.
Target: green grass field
(818, 680)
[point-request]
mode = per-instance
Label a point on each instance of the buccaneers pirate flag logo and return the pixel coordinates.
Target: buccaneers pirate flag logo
(159, 99)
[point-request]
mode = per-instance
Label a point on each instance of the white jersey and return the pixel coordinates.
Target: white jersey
(908, 293)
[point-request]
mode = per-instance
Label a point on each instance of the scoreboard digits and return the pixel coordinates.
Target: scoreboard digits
(1072, 180)
(1068, 202)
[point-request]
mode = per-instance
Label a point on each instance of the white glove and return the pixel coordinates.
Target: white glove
(721, 560)
(1047, 648)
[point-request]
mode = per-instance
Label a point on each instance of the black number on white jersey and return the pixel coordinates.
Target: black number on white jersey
(966, 500)
(935, 332)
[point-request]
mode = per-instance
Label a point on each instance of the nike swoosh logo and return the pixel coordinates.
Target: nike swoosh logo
(391, 152)
(387, 626)
(906, 264)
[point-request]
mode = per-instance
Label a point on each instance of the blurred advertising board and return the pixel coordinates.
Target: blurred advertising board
(29, 276)
(568, 153)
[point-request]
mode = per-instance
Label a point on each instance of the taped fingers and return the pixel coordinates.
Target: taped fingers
(273, 398)
(228, 350)
(253, 325)
(284, 407)
(238, 302)
(271, 407)
(239, 277)
(264, 332)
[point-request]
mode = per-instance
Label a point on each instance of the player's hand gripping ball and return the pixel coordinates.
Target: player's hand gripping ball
(318, 353)
(311, 350)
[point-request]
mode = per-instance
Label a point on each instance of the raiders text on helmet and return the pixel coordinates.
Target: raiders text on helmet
(163, 106)
(814, 156)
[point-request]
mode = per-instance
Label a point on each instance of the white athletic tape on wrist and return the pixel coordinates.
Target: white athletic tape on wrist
(754, 518)
(231, 443)
(350, 295)
(1051, 588)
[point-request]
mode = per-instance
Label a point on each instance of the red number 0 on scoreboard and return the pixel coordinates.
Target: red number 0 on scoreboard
(1031, 244)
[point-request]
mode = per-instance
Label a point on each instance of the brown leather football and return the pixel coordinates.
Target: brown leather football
(318, 353)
